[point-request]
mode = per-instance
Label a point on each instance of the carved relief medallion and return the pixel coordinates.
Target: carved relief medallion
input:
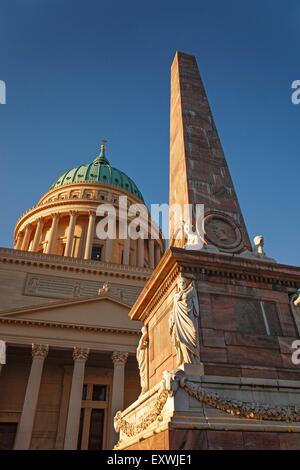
(223, 232)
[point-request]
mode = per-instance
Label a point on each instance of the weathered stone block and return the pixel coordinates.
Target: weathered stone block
(261, 441)
(252, 356)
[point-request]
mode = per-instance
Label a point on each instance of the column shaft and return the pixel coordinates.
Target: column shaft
(2, 354)
(157, 254)
(71, 230)
(140, 257)
(37, 235)
(151, 253)
(108, 250)
(25, 428)
(90, 235)
(73, 421)
(126, 250)
(26, 237)
(18, 242)
(52, 235)
(117, 401)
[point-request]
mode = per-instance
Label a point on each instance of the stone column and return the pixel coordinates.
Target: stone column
(18, 241)
(140, 254)
(151, 253)
(157, 254)
(108, 250)
(133, 256)
(73, 421)
(71, 230)
(38, 234)
(90, 235)
(2, 354)
(26, 237)
(53, 233)
(24, 433)
(117, 401)
(126, 251)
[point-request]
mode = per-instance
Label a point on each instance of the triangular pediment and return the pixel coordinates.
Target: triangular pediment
(102, 311)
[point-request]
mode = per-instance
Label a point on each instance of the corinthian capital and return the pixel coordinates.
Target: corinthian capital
(80, 354)
(40, 350)
(119, 357)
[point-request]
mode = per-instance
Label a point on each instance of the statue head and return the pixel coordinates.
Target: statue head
(259, 245)
(259, 241)
(144, 330)
(182, 283)
(118, 421)
(221, 232)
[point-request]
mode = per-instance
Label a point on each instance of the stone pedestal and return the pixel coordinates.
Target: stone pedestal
(224, 414)
(245, 392)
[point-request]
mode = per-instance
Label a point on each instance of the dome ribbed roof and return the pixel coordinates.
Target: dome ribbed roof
(99, 171)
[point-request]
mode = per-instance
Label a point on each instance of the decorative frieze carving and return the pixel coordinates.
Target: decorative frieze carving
(240, 408)
(132, 429)
(175, 380)
(40, 350)
(77, 290)
(222, 231)
(32, 285)
(67, 288)
(104, 288)
(80, 354)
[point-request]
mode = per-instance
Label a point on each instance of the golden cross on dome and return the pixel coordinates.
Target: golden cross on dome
(103, 144)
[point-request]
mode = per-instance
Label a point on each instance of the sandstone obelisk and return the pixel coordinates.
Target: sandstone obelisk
(199, 172)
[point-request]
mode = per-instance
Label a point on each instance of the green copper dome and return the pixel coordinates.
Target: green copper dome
(99, 171)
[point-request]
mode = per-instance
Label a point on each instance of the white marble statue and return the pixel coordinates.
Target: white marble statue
(295, 306)
(142, 359)
(183, 323)
(103, 289)
(259, 244)
(193, 239)
(258, 250)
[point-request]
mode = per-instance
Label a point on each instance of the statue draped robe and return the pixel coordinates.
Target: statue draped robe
(184, 325)
(141, 355)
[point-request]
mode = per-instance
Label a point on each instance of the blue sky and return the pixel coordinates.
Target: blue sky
(78, 71)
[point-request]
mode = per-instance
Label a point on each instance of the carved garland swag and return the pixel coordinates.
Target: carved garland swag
(242, 409)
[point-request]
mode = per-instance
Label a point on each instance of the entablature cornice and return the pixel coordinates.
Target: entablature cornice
(202, 265)
(67, 326)
(64, 263)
